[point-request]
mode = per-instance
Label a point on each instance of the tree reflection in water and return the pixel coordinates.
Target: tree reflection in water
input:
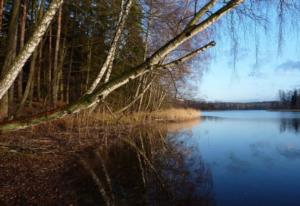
(290, 125)
(143, 168)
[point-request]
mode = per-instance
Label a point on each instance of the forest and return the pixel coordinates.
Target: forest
(289, 99)
(90, 49)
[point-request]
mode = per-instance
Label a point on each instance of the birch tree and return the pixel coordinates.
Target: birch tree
(107, 66)
(9, 75)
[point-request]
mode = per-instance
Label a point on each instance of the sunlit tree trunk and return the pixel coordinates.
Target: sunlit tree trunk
(10, 56)
(143, 80)
(55, 82)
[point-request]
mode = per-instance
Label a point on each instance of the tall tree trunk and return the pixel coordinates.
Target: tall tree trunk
(50, 66)
(9, 75)
(60, 70)
(1, 14)
(22, 42)
(143, 80)
(10, 56)
(88, 66)
(55, 82)
(29, 85)
(29, 89)
(40, 58)
(38, 77)
(69, 75)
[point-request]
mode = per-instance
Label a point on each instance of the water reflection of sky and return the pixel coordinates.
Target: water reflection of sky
(254, 156)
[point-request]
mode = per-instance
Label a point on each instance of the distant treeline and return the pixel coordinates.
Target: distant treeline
(290, 99)
(201, 105)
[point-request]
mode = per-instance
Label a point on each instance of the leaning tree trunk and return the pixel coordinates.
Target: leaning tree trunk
(9, 75)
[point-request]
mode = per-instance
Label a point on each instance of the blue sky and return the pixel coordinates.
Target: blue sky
(252, 80)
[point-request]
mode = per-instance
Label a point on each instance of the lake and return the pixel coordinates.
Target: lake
(226, 158)
(253, 156)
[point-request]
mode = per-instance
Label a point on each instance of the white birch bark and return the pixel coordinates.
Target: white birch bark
(107, 66)
(8, 77)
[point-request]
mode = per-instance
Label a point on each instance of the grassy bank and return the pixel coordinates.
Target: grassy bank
(165, 115)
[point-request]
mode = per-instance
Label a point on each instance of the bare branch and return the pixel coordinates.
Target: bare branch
(190, 32)
(136, 98)
(190, 55)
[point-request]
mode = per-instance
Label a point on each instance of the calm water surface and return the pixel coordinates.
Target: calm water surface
(253, 156)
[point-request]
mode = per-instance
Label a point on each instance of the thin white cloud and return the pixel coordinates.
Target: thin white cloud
(289, 66)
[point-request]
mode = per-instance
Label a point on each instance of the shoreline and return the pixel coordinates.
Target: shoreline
(169, 115)
(285, 110)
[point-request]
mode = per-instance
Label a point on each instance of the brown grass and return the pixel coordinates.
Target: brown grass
(166, 115)
(175, 114)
